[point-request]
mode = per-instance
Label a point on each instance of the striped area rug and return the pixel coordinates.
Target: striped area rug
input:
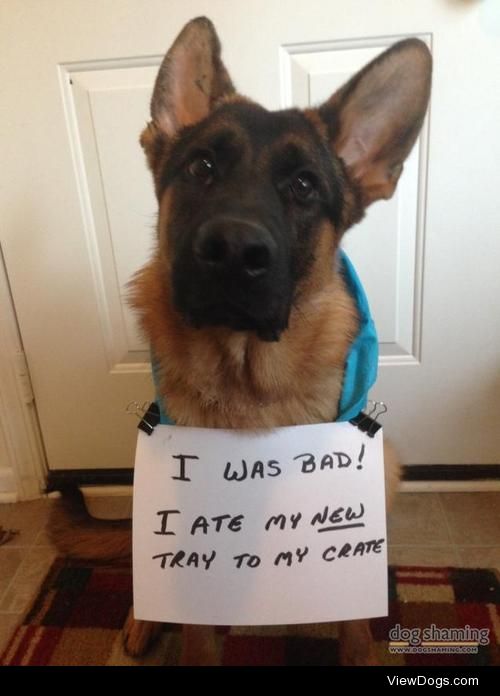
(438, 616)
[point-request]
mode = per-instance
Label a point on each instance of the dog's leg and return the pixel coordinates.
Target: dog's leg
(392, 471)
(355, 639)
(199, 646)
(138, 636)
(356, 645)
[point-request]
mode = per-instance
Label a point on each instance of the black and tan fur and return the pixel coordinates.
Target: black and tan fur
(264, 346)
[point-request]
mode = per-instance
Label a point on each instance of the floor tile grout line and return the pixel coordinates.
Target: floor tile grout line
(447, 521)
(9, 545)
(26, 550)
(10, 584)
(12, 613)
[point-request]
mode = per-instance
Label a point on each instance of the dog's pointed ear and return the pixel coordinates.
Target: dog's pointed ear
(191, 79)
(375, 118)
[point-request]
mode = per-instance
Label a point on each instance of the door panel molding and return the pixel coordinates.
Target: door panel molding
(105, 160)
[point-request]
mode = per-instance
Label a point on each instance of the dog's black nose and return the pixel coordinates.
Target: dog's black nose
(236, 246)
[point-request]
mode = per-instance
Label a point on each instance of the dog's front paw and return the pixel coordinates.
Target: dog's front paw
(139, 636)
(199, 647)
(356, 646)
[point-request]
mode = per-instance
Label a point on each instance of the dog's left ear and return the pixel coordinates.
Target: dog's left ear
(191, 79)
(375, 118)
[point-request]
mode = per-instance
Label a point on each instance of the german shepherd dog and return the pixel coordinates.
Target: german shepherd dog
(243, 302)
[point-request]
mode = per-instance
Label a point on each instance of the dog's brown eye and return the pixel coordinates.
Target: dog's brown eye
(303, 187)
(202, 168)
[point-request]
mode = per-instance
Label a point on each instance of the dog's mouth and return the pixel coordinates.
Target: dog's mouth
(236, 318)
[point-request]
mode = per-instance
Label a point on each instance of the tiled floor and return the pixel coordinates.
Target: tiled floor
(24, 561)
(456, 529)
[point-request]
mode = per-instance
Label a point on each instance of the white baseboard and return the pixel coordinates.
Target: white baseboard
(8, 486)
(478, 486)
(8, 498)
(115, 502)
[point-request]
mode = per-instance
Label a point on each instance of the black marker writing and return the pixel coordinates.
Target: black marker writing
(336, 517)
(181, 559)
(182, 458)
(280, 521)
(361, 455)
(258, 469)
(347, 550)
(343, 526)
(344, 459)
(287, 556)
(252, 561)
(339, 460)
(164, 516)
(203, 523)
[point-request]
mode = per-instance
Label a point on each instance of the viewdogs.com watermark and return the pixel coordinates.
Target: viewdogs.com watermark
(437, 640)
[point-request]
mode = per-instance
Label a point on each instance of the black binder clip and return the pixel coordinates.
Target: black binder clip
(367, 422)
(149, 415)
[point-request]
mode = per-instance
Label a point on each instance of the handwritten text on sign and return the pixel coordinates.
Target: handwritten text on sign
(282, 526)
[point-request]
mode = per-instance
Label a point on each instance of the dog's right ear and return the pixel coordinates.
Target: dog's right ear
(375, 118)
(191, 80)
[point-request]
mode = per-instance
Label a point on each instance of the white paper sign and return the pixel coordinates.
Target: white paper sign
(283, 526)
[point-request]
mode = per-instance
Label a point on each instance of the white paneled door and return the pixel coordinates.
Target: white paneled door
(78, 212)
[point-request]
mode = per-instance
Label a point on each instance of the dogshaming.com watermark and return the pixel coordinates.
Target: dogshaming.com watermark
(432, 640)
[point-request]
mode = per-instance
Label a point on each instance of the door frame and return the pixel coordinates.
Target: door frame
(24, 477)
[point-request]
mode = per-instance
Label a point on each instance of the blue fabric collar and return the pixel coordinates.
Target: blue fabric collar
(362, 360)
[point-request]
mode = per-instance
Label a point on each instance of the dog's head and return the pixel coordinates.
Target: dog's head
(246, 194)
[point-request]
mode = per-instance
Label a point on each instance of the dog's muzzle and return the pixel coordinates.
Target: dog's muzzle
(239, 278)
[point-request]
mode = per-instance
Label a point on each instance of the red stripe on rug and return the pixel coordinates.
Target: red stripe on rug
(422, 576)
(16, 658)
(46, 645)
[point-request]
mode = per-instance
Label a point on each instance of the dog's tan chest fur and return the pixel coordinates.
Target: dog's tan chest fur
(218, 378)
